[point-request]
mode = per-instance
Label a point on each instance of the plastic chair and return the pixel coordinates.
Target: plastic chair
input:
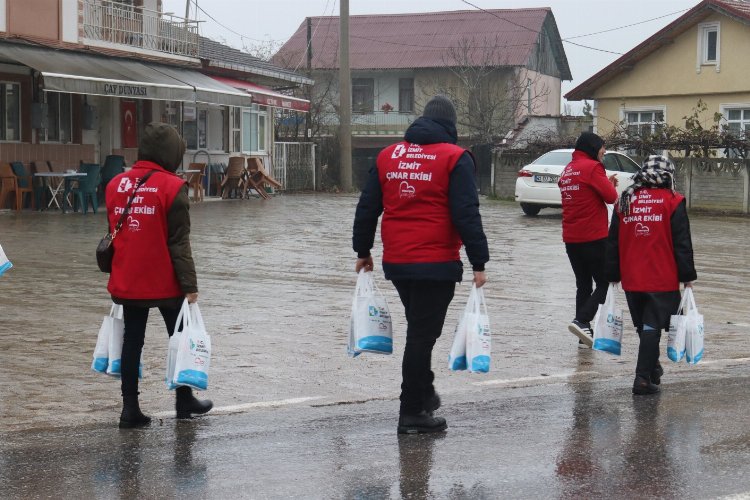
(7, 184)
(195, 180)
(87, 188)
(23, 184)
(40, 183)
(233, 177)
(113, 166)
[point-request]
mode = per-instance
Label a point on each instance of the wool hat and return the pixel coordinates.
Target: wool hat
(590, 143)
(440, 108)
(161, 144)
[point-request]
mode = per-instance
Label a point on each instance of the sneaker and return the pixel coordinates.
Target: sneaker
(420, 423)
(583, 331)
(644, 387)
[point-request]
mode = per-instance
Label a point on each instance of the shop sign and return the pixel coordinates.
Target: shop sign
(122, 90)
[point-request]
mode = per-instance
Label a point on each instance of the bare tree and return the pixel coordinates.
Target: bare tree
(490, 95)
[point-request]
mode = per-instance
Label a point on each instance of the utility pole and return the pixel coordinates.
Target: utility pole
(309, 72)
(345, 96)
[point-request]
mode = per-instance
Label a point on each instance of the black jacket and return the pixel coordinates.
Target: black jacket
(464, 209)
(681, 240)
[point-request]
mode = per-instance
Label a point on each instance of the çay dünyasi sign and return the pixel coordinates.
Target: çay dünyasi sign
(119, 89)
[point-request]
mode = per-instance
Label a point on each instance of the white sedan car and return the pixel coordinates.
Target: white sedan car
(536, 186)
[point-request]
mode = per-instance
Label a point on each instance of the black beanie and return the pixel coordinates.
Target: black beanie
(590, 143)
(440, 108)
(161, 144)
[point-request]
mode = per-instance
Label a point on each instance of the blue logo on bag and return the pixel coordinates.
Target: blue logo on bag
(373, 311)
(610, 318)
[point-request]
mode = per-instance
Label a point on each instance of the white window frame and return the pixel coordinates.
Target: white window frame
(44, 133)
(3, 118)
(741, 106)
(257, 114)
(702, 59)
(644, 109)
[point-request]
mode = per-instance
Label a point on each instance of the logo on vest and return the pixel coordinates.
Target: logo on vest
(406, 190)
(125, 185)
(133, 224)
(642, 230)
(399, 151)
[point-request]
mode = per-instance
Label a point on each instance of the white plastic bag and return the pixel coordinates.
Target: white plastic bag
(608, 325)
(193, 349)
(101, 351)
(677, 332)
(472, 341)
(693, 330)
(370, 328)
(478, 337)
(5, 264)
(117, 330)
(457, 356)
(174, 342)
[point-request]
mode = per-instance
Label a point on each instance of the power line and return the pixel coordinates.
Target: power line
(625, 26)
(312, 36)
(243, 37)
(592, 48)
(499, 17)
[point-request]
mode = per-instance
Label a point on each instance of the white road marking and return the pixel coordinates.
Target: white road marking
(540, 378)
(224, 410)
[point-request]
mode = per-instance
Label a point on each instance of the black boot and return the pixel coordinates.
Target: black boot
(131, 416)
(656, 374)
(648, 357)
(433, 403)
(187, 405)
(420, 423)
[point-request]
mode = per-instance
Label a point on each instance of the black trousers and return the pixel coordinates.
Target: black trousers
(587, 260)
(425, 304)
(135, 319)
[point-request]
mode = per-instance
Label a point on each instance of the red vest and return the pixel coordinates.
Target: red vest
(142, 266)
(585, 189)
(417, 226)
(647, 262)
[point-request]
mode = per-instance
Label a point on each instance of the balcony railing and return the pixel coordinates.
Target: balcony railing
(391, 123)
(125, 24)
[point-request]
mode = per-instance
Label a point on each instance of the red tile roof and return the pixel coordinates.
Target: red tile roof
(424, 40)
(737, 9)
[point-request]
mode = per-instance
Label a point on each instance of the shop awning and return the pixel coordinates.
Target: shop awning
(265, 96)
(75, 73)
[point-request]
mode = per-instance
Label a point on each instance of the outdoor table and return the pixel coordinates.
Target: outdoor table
(186, 173)
(56, 190)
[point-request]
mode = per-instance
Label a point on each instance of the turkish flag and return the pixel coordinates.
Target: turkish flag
(128, 112)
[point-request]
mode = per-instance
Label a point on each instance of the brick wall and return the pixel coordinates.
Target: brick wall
(68, 155)
(506, 167)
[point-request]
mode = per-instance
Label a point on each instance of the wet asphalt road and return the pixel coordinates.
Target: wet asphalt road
(577, 439)
(296, 417)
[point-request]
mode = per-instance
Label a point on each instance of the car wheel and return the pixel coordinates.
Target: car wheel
(530, 209)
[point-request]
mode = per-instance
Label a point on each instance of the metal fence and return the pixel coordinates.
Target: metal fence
(294, 165)
(125, 24)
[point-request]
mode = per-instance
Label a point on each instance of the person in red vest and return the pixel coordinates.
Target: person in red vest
(650, 250)
(585, 191)
(153, 263)
(425, 189)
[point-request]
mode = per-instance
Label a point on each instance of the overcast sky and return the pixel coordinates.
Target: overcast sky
(258, 21)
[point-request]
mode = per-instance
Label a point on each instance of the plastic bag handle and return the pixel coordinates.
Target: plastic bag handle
(690, 301)
(184, 315)
(681, 310)
(480, 304)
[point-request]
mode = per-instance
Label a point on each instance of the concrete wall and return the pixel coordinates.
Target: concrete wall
(3, 18)
(39, 18)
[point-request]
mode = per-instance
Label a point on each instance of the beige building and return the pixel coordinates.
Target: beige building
(701, 55)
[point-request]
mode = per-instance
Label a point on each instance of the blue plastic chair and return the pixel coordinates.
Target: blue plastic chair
(24, 184)
(87, 188)
(113, 166)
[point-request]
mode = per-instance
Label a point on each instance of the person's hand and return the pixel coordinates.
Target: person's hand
(688, 284)
(480, 278)
(613, 179)
(363, 263)
(192, 297)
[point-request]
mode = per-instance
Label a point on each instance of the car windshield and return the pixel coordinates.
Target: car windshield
(554, 158)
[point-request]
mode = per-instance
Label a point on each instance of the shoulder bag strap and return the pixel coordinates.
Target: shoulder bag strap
(130, 202)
